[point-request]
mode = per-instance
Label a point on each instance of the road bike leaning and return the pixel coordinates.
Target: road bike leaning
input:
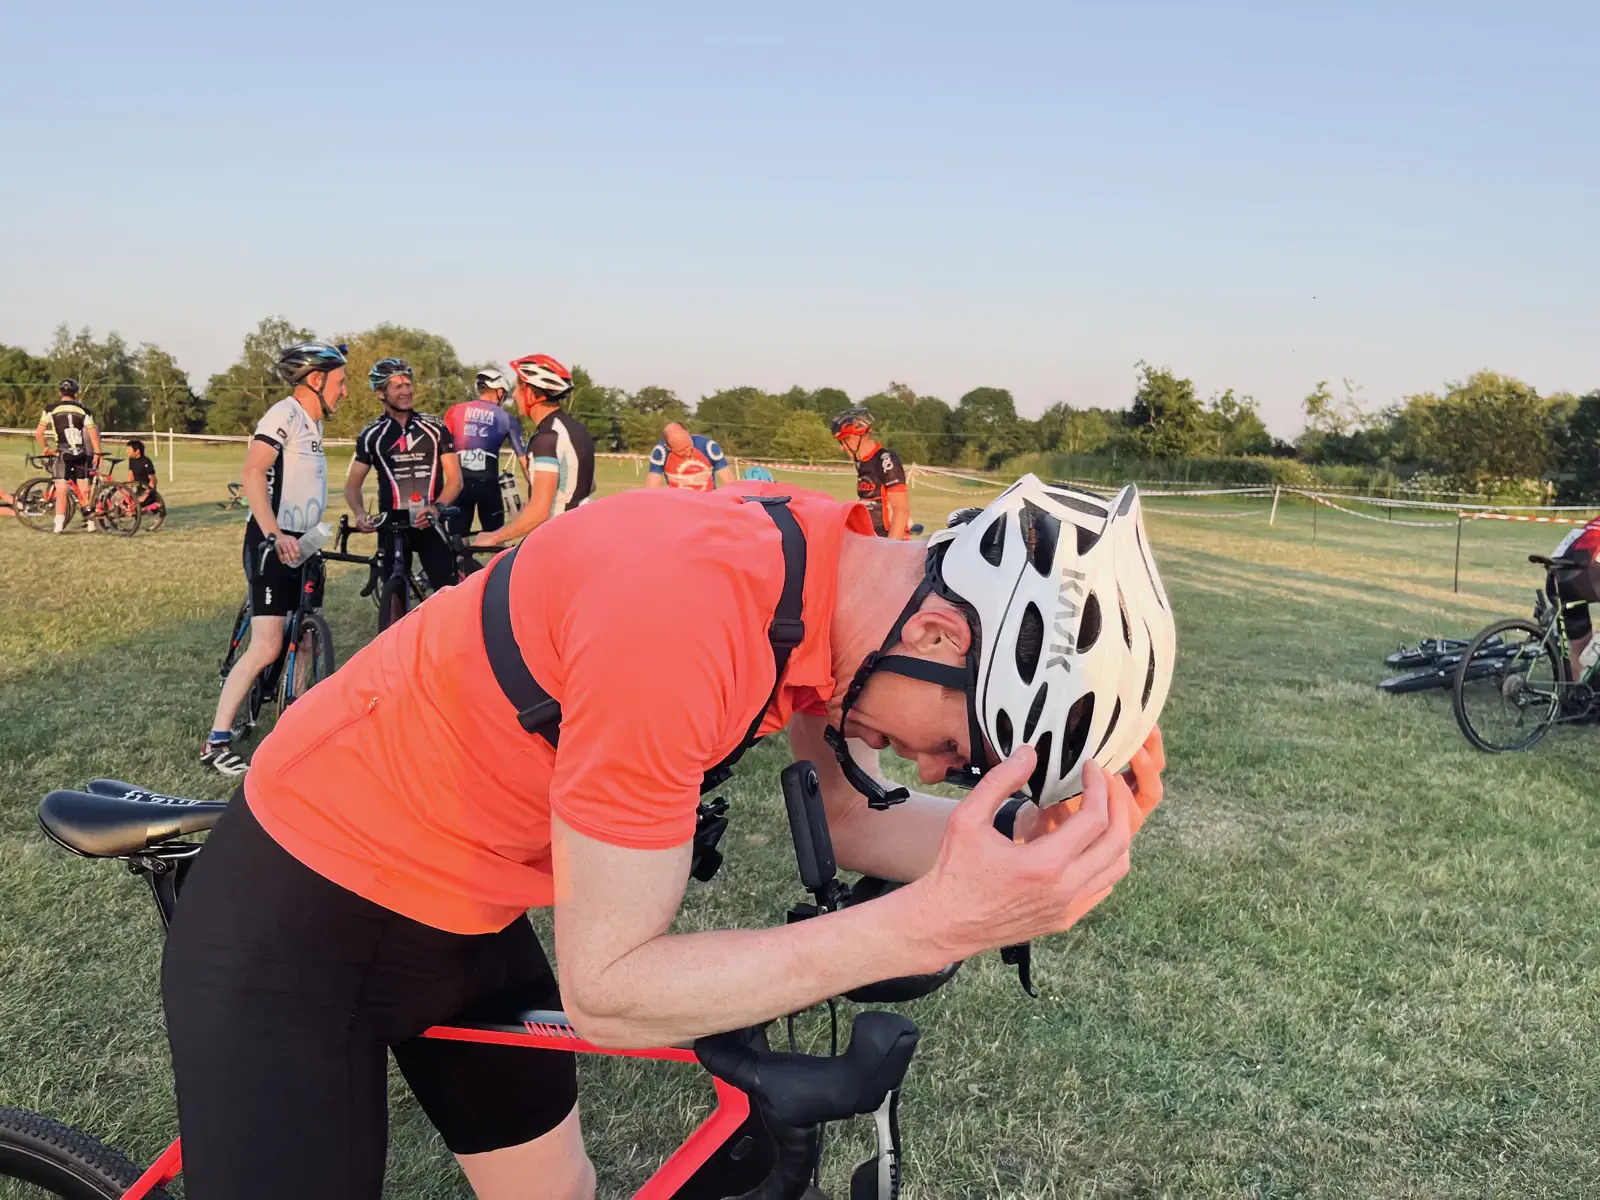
(113, 506)
(763, 1141)
(1527, 685)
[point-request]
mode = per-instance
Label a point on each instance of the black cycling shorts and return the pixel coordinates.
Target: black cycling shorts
(274, 586)
(284, 994)
(70, 466)
(480, 494)
(1578, 587)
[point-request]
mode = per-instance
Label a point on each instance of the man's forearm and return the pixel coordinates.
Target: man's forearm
(352, 496)
(681, 986)
(899, 843)
(899, 513)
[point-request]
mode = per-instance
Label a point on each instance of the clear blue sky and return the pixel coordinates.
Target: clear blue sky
(1031, 196)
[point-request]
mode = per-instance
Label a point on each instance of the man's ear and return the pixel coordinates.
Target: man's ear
(938, 630)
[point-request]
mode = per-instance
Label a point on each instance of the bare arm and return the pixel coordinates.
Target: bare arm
(654, 479)
(627, 981)
(896, 511)
(258, 460)
(452, 478)
(534, 513)
(724, 477)
(353, 499)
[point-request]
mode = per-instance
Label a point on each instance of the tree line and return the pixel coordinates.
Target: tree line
(1488, 432)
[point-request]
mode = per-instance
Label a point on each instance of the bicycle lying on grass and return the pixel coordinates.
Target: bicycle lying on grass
(1511, 698)
(1433, 661)
(763, 1141)
(113, 506)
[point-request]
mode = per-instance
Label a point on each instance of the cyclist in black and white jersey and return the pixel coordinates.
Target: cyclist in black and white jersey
(285, 480)
(418, 470)
(77, 449)
(560, 452)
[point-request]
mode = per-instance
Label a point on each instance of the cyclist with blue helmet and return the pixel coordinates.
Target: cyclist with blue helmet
(759, 474)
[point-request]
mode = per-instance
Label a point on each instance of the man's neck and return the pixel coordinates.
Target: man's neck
(867, 449)
(876, 578)
(541, 410)
(400, 416)
(311, 402)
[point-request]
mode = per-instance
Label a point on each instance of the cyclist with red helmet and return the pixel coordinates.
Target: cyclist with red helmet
(880, 475)
(560, 452)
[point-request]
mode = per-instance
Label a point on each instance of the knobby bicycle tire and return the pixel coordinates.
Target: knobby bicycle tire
(67, 1163)
(1504, 667)
(153, 518)
(310, 659)
(393, 601)
(117, 509)
(35, 506)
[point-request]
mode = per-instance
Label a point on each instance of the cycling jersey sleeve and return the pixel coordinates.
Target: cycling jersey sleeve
(447, 439)
(88, 420)
(719, 461)
(544, 451)
(658, 459)
(894, 471)
(273, 428)
(365, 443)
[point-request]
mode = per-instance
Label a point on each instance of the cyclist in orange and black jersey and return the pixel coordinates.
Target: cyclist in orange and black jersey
(880, 475)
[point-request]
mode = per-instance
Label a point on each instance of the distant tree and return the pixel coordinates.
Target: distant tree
(442, 379)
(1165, 418)
(107, 373)
(804, 437)
(743, 419)
(1490, 426)
(1329, 415)
(644, 413)
(1577, 453)
(173, 404)
(26, 386)
(986, 421)
(1234, 426)
(236, 397)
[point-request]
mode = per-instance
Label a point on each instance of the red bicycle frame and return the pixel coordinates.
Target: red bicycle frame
(550, 1030)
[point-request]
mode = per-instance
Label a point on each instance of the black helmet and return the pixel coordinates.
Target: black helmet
(68, 387)
(858, 420)
(386, 369)
(303, 358)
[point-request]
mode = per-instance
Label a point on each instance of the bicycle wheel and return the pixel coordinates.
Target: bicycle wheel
(40, 1157)
(154, 515)
(1508, 701)
(393, 601)
(117, 509)
(35, 504)
(310, 660)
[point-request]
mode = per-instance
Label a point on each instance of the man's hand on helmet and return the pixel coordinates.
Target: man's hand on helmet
(1143, 777)
(986, 891)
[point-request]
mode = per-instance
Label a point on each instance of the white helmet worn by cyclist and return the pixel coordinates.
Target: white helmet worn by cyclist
(1073, 638)
(490, 379)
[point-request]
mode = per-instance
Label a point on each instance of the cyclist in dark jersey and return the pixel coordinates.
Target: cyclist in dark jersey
(143, 471)
(77, 449)
(880, 475)
(418, 470)
(561, 450)
(480, 427)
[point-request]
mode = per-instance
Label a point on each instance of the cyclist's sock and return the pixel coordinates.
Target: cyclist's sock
(61, 522)
(219, 736)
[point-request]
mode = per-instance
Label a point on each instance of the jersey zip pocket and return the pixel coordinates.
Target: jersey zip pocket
(370, 707)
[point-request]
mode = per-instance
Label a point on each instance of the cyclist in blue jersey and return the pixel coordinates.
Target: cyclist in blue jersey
(480, 427)
(686, 460)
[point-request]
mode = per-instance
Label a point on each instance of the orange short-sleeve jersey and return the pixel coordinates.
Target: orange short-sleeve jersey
(405, 778)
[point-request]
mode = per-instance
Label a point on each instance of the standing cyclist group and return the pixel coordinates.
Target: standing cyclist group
(417, 460)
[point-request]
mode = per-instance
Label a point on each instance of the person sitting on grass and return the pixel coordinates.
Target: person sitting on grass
(7, 504)
(143, 471)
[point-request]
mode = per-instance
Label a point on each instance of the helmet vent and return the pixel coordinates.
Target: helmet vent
(1041, 768)
(1035, 711)
(1079, 718)
(1002, 731)
(991, 546)
(1084, 504)
(1149, 675)
(1040, 531)
(1110, 729)
(1127, 629)
(1030, 642)
(1089, 626)
(1086, 540)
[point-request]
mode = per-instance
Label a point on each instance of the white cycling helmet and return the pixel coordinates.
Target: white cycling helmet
(490, 379)
(1073, 635)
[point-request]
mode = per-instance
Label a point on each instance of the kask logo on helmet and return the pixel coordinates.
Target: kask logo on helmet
(1068, 592)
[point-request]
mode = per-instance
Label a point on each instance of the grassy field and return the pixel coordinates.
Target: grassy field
(1354, 957)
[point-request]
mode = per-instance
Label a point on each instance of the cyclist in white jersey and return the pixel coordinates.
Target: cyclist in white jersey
(285, 479)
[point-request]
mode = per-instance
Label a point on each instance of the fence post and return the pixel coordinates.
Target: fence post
(172, 456)
(1455, 585)
(1273, 517)
(1316, 503)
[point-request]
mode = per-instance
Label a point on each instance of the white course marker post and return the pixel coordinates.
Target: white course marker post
(1272, 519)
(172, 456)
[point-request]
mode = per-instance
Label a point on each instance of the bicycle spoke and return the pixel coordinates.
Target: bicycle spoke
(1508, 701)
